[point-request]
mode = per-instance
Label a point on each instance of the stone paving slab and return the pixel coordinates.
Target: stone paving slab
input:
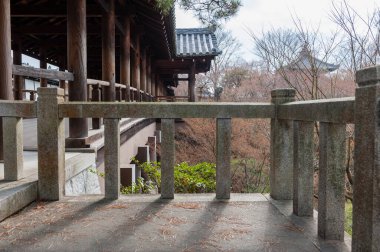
(248, 222)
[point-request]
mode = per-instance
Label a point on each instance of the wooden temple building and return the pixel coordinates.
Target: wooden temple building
(106, 50)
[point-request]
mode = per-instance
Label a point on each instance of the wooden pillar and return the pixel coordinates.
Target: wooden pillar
(108, 50)
(157, 85)
(19, 81)
(77, 61)
(152, 81)
(143, 70)
(148, 76)
(62, 84)
(43, 65)
(5, 58)
(136, 64)
(192, 83)
(125, 58)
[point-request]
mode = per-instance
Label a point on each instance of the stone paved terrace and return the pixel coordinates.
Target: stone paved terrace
(247, 222)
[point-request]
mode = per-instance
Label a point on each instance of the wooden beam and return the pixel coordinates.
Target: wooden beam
(47, 11)
(41, 73)
(125, 57)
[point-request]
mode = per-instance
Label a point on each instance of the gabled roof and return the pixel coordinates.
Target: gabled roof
(196, 42)
(305, 60)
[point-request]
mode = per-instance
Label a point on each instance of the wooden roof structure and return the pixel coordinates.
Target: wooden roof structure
(106, 50)
(39, 29)
(305, 60)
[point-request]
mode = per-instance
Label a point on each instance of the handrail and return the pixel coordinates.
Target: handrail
(337, 110)
(165, 110)
(97, 82)
(41, 73)
(26, 109)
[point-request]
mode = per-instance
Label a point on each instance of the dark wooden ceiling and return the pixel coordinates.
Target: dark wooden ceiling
(40, 24)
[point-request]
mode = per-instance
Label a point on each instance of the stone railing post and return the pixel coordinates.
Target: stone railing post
(281, 148)
(332, 157)
(51, 144)
(167, 158)
(13, 148)
(366, 204)
(112, 158)
(303, 174)
(223, 158)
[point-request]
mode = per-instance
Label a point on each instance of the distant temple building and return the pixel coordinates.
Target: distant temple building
(305, 60)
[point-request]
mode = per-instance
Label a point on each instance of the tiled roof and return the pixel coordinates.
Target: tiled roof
(305, 60)
(196, 42)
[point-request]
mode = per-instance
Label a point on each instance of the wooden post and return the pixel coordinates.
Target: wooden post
(148, 77)
(108, 50)
(96, 97)
(192, 83)
(136, 65)
(125, 58)
(157, 85)
(143, 71)
(43, 65)
(152, 81)
(18, 80)
(77, 62)
(62, 84)
(5, 59)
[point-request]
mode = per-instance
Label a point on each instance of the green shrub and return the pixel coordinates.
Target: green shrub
(199, 178)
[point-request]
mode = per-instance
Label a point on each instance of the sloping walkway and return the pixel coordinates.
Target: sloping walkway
(248, 222)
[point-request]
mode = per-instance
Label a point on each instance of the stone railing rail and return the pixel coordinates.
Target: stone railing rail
(291, 147)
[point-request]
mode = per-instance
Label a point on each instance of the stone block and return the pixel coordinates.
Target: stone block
(112, 158)
(167, 158)
(331, 200)
(51, 144)
(13, 148)
(366, 207)
(281, 148)
(303, 175)
(223, 158)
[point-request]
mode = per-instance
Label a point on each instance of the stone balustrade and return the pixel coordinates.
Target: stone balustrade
(292, 146)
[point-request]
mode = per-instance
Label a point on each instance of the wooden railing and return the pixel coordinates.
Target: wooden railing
(171, 98)
(95, 87)
(291, 147)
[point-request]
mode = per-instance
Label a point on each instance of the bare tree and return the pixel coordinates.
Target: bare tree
(362, 36)
(229, 45)
(298, 58)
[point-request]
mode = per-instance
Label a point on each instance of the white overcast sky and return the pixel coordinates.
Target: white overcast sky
(259, 15)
